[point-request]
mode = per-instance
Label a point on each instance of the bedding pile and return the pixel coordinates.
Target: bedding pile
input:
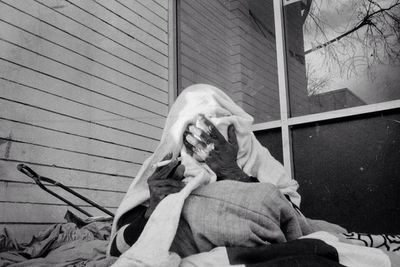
(69, 245)
(317, 249)
(75, 243)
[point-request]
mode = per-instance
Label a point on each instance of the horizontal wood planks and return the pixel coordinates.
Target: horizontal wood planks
(83, 100)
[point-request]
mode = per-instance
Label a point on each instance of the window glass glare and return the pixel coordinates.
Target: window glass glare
(346, 51)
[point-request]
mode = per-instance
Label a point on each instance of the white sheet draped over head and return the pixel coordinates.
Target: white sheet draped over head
(152, 247)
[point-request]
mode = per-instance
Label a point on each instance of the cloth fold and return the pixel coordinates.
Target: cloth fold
(152, 247)
(60, 245)
(236, 214)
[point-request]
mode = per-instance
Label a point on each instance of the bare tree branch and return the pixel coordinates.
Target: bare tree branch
(367, 20)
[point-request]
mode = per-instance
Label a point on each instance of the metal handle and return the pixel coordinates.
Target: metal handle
(27, 171)
(38, 180)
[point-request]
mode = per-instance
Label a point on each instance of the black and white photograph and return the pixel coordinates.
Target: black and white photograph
(200, 133)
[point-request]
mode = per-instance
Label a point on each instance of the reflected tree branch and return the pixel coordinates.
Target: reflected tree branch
(365, 21)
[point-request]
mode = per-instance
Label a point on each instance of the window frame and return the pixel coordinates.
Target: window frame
(172, 52)
(285, 123)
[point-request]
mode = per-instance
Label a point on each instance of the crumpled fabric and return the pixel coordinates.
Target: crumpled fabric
(236, 214)
(59, 245)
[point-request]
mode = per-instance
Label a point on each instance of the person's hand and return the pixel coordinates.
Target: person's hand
(212, 148)
(164, 181)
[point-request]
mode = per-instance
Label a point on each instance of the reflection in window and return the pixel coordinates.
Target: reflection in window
(231, 44)
(351, 51)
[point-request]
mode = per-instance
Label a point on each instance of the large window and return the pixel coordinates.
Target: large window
(350, 52)
(231, 44)
(321, 79)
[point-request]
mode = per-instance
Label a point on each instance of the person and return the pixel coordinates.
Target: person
(168, 180)
(233, 193)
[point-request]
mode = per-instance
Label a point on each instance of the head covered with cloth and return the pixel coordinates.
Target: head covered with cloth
(255, 160)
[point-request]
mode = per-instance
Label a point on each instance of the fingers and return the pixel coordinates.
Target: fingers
(189, 147)
(159, 189)
(166, 183)
(192, 143)
(164, 171)
(196, 148)
(168, 156)
(212, 130)
(178, 174)
(162, 188)
(232, 135)
(167, 169)
(201, 144)
(193, 140)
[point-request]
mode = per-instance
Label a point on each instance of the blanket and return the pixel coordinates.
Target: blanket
(237, 214)
(83, 243)
(253, 224)
(77, 243)
(317, 249)
(69, 245)
(152, 247)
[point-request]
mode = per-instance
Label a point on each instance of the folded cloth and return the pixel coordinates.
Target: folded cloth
(316, 249)
(152, 247)
(59, 245)
(236, 214)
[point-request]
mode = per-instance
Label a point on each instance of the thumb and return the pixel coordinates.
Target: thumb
(232, 135)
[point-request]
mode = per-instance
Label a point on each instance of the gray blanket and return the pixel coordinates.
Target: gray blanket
(230, 213)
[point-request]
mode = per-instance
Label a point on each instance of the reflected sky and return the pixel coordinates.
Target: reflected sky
(351, 63)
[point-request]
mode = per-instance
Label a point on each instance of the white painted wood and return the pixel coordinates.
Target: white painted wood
(126, 112)
(119, 26)
(138, 8)
(80, 128)
(22, 213)
(91, 45)
(73, 179)
(266, 125)
(163, 3)
(66, 159)
(152, 98)
(172, 54)
(155, 8)
(32, 193)
(12, 110)
(57, 140)
(331, 115)
(137, 23)
(344, 113)
(144, 79)
(81, 108)
(85, 26)
(83, 99)
(283, 86)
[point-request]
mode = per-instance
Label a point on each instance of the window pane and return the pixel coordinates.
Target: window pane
(349, 172)
(342, 53)
(271, 139)
(230, 44)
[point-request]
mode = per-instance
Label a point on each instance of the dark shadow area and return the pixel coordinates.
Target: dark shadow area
(349, 172)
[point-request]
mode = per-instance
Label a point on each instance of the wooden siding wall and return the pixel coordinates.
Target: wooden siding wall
(221, 44)
(83, 99)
